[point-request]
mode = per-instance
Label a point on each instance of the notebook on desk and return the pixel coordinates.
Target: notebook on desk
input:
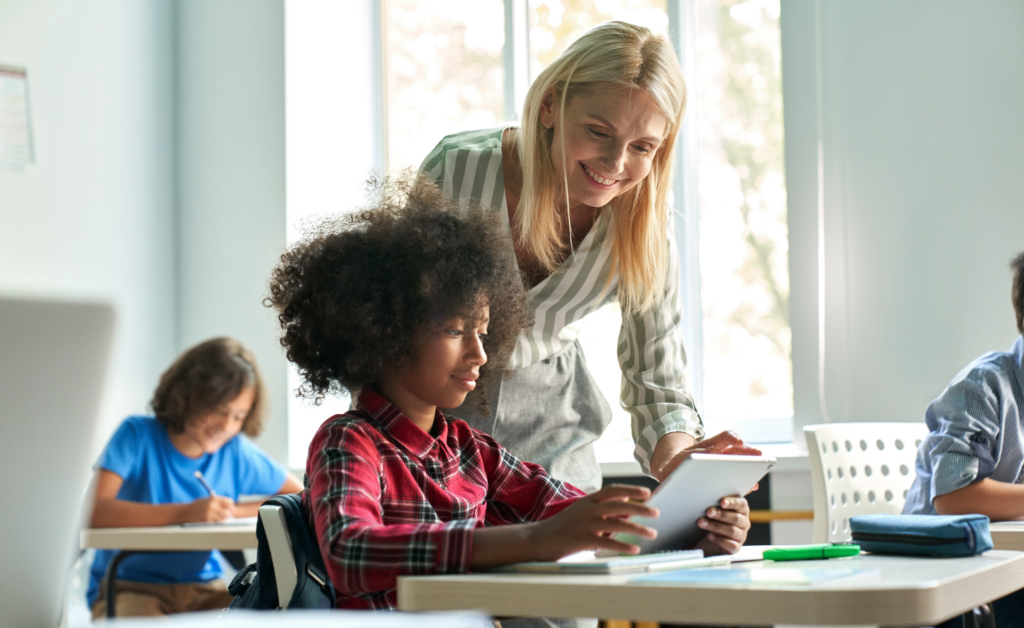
(53, 359)
(587, 563)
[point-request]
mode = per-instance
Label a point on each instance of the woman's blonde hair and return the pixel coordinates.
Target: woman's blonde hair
(631, 56)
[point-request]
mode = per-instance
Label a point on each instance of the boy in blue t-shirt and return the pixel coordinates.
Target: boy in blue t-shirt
(146, 476)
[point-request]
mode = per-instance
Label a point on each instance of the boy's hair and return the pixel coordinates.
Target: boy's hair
(1017, 264)
(360, 291)
(205, 377)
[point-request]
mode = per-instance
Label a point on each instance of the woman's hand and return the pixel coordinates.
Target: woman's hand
(727, 526)
(590, 522)
(675, 447)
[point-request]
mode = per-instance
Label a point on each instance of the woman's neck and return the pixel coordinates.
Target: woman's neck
(572, 231)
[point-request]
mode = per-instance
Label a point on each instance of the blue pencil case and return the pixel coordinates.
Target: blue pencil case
(922, 535)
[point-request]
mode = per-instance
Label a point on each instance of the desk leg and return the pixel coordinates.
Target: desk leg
(111, 576)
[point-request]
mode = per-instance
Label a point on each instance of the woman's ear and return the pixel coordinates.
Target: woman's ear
(548, 108)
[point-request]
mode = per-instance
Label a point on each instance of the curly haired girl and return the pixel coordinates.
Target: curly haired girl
(410, 305)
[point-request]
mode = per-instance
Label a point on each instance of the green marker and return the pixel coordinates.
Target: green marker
(811, 552)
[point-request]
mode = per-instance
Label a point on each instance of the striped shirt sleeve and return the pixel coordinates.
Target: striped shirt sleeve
(653, 362)
(964, 430)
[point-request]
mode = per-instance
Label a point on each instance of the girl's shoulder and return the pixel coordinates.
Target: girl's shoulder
(140, 427)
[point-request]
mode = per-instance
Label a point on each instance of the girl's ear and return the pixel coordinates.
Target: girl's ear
(548, 107)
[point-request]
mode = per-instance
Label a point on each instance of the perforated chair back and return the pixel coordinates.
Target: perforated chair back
(859, 469)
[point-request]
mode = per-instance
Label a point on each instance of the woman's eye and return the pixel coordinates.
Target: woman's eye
(643, 150)
(599, 134)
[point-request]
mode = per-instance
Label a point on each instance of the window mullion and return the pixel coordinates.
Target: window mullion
(682, 32)
(516, 56)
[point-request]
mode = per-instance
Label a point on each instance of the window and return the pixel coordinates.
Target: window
(446, 67)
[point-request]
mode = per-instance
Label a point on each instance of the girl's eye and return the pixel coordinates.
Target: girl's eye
(454, 332)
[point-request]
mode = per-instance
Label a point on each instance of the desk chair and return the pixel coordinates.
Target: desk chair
(859, 469)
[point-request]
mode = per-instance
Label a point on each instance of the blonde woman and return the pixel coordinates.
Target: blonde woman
(583, 184)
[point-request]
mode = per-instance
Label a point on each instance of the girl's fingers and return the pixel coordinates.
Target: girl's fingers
(620, 492)
(723, 530)
(727, 517)
(616, 546)
(727, 545)
(737, 504)
(613, 526)
(625, 509)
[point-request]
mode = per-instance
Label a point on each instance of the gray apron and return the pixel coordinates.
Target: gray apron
(549, 413)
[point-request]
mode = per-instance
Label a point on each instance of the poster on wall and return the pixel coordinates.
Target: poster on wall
(15, 135)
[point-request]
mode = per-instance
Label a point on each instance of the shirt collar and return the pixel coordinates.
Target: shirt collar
(394, 423)
(1017, 351)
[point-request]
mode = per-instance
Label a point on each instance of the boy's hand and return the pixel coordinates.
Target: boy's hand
(210, 509)
(727, 526)
(589, 523)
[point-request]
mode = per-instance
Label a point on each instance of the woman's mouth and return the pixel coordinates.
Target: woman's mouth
(598, 179)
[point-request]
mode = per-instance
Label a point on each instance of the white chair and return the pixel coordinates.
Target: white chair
(859, 469)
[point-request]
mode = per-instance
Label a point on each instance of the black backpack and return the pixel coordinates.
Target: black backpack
(255, 587)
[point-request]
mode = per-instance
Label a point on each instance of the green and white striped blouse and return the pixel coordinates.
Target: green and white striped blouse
(468, 168)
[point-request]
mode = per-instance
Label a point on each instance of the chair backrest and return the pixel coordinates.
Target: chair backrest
(859, 469)
(275, 526)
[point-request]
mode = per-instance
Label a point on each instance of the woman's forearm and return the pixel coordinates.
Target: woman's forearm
(999, 501)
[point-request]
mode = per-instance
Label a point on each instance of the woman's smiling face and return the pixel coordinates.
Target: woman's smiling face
(608, 143)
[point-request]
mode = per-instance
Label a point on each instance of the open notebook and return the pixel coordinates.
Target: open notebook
(588, 563)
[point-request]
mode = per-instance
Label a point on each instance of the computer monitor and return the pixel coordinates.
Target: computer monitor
(53, 359)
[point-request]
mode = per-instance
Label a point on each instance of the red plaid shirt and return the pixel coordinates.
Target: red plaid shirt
(387, 499)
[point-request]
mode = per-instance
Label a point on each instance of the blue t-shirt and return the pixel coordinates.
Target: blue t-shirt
(155, 472)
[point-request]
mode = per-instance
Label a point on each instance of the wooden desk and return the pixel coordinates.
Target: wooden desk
(905, 592)
(1008, 535)
(171, 538)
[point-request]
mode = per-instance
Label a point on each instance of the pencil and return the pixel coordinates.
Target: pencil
(202, 480)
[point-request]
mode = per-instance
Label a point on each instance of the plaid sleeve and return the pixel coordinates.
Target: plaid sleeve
(520, 492)
(364, 554)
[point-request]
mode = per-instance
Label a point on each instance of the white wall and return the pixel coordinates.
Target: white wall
(93, 217)
(921, 131)
(231, 185)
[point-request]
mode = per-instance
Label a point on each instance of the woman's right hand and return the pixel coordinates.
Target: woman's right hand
(591, 521)
(210, 509)
(675, 447)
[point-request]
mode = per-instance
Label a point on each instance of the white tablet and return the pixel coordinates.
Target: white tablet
(701, 481)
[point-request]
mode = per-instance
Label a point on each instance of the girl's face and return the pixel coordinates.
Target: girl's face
(208, 432)
(611, 135)
(445, 370)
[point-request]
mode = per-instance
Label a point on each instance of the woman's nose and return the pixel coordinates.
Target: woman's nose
(615, 158)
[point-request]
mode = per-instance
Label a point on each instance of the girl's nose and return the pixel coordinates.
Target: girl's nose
(476, 354)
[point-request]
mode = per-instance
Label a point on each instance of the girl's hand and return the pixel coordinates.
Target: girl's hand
(590, 522)
(727, 526)
(210, 509)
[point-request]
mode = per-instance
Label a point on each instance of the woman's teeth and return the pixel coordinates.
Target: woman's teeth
(597, 177)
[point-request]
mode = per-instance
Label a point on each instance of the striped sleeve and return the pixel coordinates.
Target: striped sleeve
(467, 167)
(653, 362)
(964, 426)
